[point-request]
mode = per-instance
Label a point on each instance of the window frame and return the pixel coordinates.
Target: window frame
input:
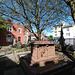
(68, 29)
(55, 31)
(7, 38)
(67, 33)
(55, 34)
(24, 38)
(55, 28)
(20, 30)
(9, 27)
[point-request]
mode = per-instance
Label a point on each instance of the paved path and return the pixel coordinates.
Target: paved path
(9, 64)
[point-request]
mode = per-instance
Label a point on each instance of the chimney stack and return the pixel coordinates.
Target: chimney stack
(63, 23)
(18, 23)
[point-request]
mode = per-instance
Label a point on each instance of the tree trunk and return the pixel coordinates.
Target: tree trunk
(72, 6)
(39, 35)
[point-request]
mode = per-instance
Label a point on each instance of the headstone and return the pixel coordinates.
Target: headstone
(19, 45)
(14, 41)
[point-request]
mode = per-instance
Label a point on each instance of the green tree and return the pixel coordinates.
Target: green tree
(2, 24)
(48, 37)
(38, 14)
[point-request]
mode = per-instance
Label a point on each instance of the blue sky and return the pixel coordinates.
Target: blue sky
(48, 33)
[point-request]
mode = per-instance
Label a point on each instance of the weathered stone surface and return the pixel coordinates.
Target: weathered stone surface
(19, 45)
(58, 47)
(43, 42)
(43, 51)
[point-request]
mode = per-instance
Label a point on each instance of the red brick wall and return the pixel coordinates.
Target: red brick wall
(14, 33)
(3, 40)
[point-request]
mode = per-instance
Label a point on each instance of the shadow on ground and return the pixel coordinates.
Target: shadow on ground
(50, 68)
(9, 67)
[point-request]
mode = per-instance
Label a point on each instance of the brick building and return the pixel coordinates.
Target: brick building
(14, 32)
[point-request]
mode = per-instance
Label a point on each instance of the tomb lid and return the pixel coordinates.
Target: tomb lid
(43, 42)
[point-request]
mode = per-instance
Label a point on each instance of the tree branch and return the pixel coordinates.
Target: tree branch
(64, 12)
(47, 20)
(44, 6)
(67, 2)
(19, 14)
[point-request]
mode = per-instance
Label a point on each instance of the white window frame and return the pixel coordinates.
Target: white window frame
(55, 28)
(59, 32)
(67, 34)
(20, 30)
(59, 27)
(7, 38)
(55, 31)
(55, 34)
(24, 38)
(9, 27)
(68, 29)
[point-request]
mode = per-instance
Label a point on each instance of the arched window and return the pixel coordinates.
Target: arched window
(19, 30)
(9, 37)
(26, 38)
(19, 38)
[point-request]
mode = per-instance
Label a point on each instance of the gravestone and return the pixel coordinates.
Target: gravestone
(42, 51)
(19, 45)
(14, 41)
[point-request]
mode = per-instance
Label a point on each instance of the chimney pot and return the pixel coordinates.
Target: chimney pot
(63, 23)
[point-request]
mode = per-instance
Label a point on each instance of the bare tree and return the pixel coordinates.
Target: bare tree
(71, 3)
(38, 14)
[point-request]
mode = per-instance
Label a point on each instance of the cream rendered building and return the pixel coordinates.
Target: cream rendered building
(57, 31)
(68, 33)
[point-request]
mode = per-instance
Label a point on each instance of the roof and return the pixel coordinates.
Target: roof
(67, 26)
(57, 25)
(9, 21)
(37, 34)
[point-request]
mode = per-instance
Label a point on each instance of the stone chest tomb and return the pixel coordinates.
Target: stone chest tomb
(42, 51)
(43, 59)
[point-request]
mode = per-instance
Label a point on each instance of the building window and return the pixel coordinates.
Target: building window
(19, 30)
(59, 33)
(26, 31)
(9, 37)
(26, 38)
(55, 28)
(55, 34)
(9, 27)
(19, 38)
(67, 29)
(59, 27)
(67, 34)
